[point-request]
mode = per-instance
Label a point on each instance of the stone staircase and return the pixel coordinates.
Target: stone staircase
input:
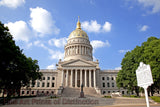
(90, 92)
(75, 92)
(71, 92)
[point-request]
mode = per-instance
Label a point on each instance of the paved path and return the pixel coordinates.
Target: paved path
(78, 102)
(158, 105)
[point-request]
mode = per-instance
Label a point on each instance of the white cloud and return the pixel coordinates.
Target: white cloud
(12, 3)
(107, 27)
(98, 44)
(144, 28)
(42, 22)
(155, 4)
(57, 55)
(93, 26)
(58, 42)
(53, 54)
(29, 45)
(123, 51)
(118, 68)
(52, 66)
(19, 30)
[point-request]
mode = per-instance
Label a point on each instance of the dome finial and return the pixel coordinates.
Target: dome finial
(78, 24)
(78, 18)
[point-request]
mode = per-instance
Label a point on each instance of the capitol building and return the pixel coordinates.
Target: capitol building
(75, 69)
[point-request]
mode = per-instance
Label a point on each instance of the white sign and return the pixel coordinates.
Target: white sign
(144, 78)
(144, 75)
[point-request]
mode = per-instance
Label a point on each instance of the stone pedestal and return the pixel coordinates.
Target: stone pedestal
(81, 95)
(60, 90)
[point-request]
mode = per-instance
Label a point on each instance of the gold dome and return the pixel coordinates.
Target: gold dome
(78, 32)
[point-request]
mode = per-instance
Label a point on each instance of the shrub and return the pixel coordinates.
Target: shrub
(107, 96)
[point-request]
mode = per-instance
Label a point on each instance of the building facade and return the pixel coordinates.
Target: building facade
(76, 69)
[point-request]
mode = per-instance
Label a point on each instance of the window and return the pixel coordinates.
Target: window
(104, 92)
(43, 78)
(122, 92)
(53, 78)
(112, 84)
(112, 78)
(43, 84)
(53, 84)
(38, 84)
(103, 78)
(107, 78)
(48, 84)
(22, 92)
(109, 92)
(108, 85)
(27, 92)
(48, 78)
(103, 84)
(32, 92)
(47, 92)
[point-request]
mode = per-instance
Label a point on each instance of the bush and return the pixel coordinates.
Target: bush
(107, 96)
(132, 96)
(53, 96)
(155, 98)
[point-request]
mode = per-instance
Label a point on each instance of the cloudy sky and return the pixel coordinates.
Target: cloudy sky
(41, 27)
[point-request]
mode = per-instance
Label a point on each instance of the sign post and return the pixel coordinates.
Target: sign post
(144, 78)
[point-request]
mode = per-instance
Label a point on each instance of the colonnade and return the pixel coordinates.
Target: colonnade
(75, 77)
(77, 49)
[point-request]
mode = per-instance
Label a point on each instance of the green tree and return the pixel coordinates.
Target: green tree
(149, 53)
(16, 69)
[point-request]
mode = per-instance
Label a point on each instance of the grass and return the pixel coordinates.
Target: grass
(53, 97)
(107, 96)
(133, 96)
(156, 98)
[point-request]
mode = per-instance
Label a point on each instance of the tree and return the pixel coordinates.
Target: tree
(149, 53)
(15, 68)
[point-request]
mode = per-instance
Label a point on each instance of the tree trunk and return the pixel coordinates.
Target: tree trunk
(152, 90)
(137, 91)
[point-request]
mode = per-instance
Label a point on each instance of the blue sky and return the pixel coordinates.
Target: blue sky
(41, 27)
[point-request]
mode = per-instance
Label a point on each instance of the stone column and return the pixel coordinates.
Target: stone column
(67, 78)
(46, 81)
(85, 78)
(71, 78)
(35, 84)
(90, 82)
(75, 78)
(94, 76)
(80, 48)
(80, 77)
(62, 78)
(50, 83)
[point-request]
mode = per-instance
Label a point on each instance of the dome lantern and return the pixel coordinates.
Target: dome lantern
(78, 24)
(78, 32)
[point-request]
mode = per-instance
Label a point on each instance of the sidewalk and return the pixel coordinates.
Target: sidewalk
(143, 105)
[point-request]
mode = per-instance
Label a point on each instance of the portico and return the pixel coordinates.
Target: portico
(75, 77)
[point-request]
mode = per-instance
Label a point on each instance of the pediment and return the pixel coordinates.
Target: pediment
(77, 63)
